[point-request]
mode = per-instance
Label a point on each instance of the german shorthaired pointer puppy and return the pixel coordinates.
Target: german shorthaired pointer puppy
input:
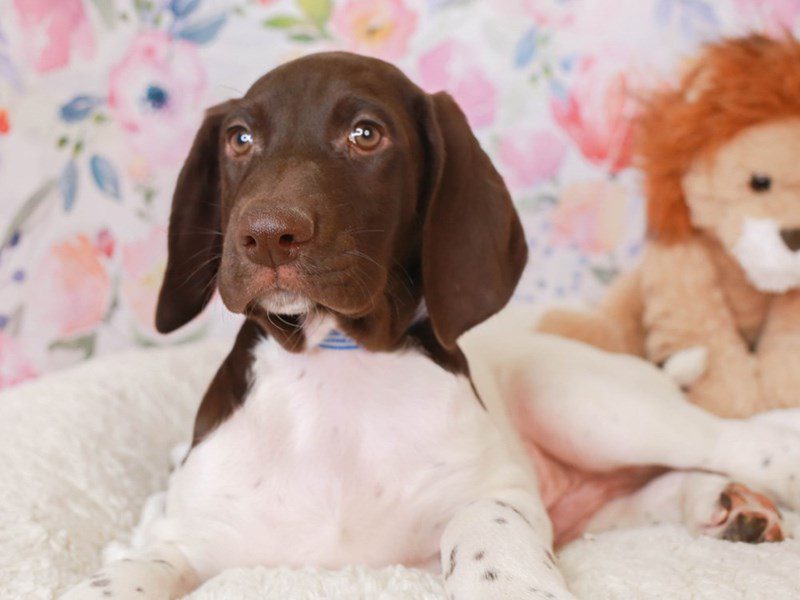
(357, 224)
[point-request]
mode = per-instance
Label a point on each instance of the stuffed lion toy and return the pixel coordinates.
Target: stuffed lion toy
(716, 298)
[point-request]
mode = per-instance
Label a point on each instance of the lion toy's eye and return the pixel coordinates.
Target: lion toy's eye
(759, 182)
(240, 140)
(365, 136)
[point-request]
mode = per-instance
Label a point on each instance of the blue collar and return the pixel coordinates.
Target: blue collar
(336, 340)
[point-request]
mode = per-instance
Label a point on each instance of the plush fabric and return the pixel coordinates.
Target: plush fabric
(81, 451)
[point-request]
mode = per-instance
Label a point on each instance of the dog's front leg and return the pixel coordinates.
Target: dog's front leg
(161, 573)
(501, 547)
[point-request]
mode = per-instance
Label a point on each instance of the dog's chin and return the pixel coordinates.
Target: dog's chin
(768, 264)
(284, 302)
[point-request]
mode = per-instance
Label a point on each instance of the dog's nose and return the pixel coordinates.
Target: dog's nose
(273, 240)
(791, 237)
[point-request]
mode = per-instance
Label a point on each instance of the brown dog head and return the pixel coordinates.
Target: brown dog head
(337, 185)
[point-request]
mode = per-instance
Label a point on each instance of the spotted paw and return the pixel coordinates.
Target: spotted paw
(743, 515)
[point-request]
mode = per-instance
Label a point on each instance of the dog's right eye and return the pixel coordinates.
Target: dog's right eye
(240, 140)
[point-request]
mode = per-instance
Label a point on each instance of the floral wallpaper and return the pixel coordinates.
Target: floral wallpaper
(99, 100)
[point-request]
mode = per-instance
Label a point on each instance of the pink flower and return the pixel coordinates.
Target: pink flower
(528, 158)
(596, 113)
(775, 15)
(72, 287)
(550, 13)
(156, 93)
(104, 242)
(591, 215)
(51, 30)
(143, 263)
(452, 66)
(14, 367)
(380, 28)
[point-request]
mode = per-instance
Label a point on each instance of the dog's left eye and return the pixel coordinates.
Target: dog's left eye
(365, 136)
(240, 140)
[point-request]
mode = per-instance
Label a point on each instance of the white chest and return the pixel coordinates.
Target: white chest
(336, 457)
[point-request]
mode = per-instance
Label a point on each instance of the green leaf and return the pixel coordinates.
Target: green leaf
(283, 21)
(605, 275)
(27, 209)
(15, 321)
(141, 339)
(83, 343)
(537, 202)
(318, 11)
(107, 11)
(302, 37)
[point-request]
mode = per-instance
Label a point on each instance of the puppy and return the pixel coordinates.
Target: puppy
(357, 224)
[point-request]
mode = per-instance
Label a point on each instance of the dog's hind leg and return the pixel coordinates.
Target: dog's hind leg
(705, 503)
(161, 573)
(600, 412)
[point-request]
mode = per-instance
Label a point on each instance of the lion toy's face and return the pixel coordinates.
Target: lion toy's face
(746, 194)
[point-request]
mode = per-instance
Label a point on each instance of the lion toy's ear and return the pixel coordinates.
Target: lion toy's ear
(720, 276)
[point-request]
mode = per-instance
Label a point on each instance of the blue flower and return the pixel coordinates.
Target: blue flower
(156, 97)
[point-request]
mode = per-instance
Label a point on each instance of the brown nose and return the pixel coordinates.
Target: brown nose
(274, 240)
(791, 237)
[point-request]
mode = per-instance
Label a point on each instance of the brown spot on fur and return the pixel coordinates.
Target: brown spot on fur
(452, 567)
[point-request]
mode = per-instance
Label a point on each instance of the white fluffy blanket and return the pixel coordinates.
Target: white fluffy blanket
(81, 450)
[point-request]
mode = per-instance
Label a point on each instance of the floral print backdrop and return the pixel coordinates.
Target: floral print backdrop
(99, 100)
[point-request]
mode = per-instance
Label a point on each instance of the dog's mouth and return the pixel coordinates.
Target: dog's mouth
(299, 289)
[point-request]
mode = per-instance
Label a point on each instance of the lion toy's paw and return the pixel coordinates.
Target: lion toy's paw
(687, 366)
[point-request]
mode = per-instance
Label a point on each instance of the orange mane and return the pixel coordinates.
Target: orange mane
(736, 84)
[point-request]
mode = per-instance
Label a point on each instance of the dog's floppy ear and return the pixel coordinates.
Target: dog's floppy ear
(473, 245)
(195, 238)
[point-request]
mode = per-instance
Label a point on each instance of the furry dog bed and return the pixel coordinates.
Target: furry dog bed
(80, 451)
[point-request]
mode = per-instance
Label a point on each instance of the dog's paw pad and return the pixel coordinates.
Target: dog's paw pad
(743, 515)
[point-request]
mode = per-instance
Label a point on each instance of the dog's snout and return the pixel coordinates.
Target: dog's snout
(273, 240)
(791, 237)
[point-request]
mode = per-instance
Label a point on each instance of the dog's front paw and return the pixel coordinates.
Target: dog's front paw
(104, 585)
(484, 574)
(141, 579)
(687, 366)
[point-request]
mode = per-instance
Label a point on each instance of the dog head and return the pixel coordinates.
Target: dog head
(336, 185)
(720, 153)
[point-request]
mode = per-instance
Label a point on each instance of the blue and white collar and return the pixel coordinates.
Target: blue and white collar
(336, 340)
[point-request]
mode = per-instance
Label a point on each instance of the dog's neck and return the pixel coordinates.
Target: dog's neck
(303, 333)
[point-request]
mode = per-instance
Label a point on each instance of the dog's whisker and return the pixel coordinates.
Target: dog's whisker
(199, 267)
